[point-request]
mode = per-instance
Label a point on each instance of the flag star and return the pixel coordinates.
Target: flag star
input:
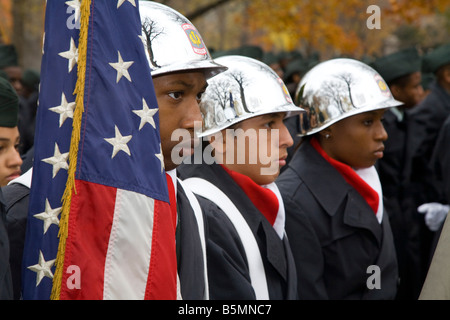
(58, 161)
(76, 5)
(49, 216)
(122, 68)
(65, 109)
(160, 157)
(119, 143)
(146, 115)
(42, 269)
(120, 2)
(71, 54)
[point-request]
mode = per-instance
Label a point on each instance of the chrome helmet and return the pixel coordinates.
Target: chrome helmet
(340, 88)
(248, 88)
(172, 42)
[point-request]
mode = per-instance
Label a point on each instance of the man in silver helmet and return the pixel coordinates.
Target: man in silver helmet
(181, 65)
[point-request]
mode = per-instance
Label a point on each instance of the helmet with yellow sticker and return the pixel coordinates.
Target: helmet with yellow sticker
(340, 88)
(249, 88)
(172, 42)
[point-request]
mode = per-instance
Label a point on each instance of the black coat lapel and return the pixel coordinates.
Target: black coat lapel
(334, 194)
(265, 234)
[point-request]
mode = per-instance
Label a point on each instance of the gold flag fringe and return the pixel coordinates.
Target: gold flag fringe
(73, 152)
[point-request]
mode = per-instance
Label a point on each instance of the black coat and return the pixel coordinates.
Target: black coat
(189, 250)
(334, 233)
(440, 161)
(411, 236)
(17, 197)
(429, 116)
(440, 165)
(228, 270)
(6, 288)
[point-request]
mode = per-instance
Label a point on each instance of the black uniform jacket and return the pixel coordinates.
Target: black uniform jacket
(334, 234)
(429, 116)
(6, 287)
(17, 197)
(411, 235)
(189, 250)
(228, 271)
(440, 161)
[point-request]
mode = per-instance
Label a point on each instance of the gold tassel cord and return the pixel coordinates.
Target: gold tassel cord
(73, 152)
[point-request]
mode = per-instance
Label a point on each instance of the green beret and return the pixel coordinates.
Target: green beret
(8, 56)
(251, 51)
(9, 105)
(269, 58)
(427, 80)
(217, 54)
(398, 64)
(437, 58)
(295, 66)
(3, 74)
(30, 79)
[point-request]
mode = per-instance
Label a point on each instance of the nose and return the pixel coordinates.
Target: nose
(14, 160)
(285, 137)
(17, 85)
(192, 116)
(380, 133)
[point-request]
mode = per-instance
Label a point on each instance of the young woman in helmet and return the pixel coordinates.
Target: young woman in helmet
(247, 251)
(181, 65)
(339, 233)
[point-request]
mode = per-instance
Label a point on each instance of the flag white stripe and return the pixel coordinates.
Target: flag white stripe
(129, 249)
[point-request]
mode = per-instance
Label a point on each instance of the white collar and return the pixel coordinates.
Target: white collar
(24, 179)
(279, 223)
(399, 113)
(370, 176)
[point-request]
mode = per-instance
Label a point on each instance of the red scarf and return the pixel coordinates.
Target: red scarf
(172, 199)
(352, 178)
(264, 199)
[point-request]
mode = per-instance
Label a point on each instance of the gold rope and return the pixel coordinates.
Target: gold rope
(73, 152)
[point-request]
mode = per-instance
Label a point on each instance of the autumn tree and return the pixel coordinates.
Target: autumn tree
(334, 27)
(330, 27)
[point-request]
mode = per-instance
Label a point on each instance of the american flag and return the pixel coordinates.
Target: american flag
(115, 219)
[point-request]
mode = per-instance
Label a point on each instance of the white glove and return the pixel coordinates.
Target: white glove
(435, 214)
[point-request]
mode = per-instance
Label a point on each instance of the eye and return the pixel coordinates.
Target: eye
(200, 95)
(368, 122)
(269, 124)
(176, 95)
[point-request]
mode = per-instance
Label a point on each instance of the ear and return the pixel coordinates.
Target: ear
(325, 134)
(395, 90)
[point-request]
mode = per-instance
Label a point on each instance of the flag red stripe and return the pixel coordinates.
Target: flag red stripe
(88, 238)
(162, 280)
